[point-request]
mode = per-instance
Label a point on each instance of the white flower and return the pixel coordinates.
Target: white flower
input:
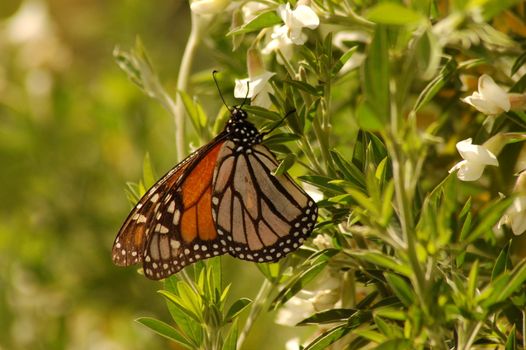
(279, 42)
(313, 192)
(296, 309)
(476, 157)
(341, 39)
(208, 7)
(258, 89)
(293, 344)
(251, 9)
(515, 216)
(295, 20)
(490, 98)
(325, 294)
(322, 241)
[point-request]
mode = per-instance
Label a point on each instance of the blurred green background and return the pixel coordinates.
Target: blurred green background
(73, 131)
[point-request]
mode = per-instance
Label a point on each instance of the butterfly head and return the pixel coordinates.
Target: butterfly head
(238, 114)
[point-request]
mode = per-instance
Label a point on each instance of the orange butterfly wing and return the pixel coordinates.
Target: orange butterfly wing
(173, 219)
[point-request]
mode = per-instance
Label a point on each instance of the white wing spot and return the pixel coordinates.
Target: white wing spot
(177, 216)
(171, 207)
(175, 244)
(155, 198)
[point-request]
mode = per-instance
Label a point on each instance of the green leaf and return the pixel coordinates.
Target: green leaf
(263, 20)
(367, 118)
(322, 182)
(400, 288)
(391, 313)
(181, 305)
(380, 259)
(472, 280)
(231, 338)
(518, 277)
(304, 87)
(195, 111)
(387, 205)
(329, 316)
(490, 216)
(375, 79)
(491, 9)
(237, 307)
(519, 62)
(503, 286)
(387, 328)
(370, 335)
(297, 283)
(280, 138)
(343, 59)
(391, 13)
(349, 171)
(285, 164)
(166, 331)
(271, 271)
(502, 263)
(394, 344)
(434, 86)
(511, 343)
(148, 176)
(263, 113)
(327, 338)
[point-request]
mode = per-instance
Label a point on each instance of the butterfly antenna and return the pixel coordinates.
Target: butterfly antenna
(246, 96)
(219, 90)
(279, 123)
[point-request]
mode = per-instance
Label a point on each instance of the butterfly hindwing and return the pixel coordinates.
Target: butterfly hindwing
(263, 217)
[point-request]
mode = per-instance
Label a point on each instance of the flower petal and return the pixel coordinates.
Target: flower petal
(482, 105)
(468, 171)
(255, 85)
(476, 153)
(284, 12)
(306, 17)
(241, 88)
(296, 36)
(208, 7)
(491, 92)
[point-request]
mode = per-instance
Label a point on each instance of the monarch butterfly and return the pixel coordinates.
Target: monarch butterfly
(221, 199)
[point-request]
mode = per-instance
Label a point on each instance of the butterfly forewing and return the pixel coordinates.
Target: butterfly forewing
(129, 243)
(182, 228)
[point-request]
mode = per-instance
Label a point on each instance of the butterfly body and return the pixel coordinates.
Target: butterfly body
(221, 199)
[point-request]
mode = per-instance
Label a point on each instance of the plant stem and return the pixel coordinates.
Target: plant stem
(257, 306)
(404, 198)
(182, 85)
(472, 335)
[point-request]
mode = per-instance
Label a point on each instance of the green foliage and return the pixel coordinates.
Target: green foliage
(404, 255)
(198, 309)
